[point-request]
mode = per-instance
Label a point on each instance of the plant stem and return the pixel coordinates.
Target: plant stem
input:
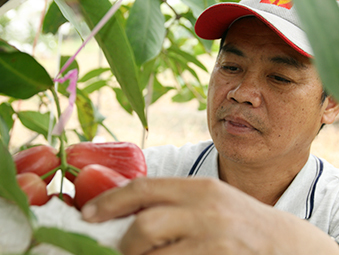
(33, 244)
(75, 169)
(62, 153)
(75, 173)
(56, 99)
(148, 102)
(109, 131)
(42, 16)
(50, 173)
(62, 183)
(177, 16)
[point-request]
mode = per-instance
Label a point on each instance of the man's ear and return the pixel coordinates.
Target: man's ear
(331, 111)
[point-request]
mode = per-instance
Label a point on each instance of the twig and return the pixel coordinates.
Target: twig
(39, 29)
(148, 102)
(177, 16)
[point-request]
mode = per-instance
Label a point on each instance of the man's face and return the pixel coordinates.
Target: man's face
(264, 99)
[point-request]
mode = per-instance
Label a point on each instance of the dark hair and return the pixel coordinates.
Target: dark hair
(323, 97)
(223, 38)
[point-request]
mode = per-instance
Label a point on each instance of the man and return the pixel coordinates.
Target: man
(258, 190)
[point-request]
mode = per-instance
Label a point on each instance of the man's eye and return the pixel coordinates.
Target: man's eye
(230, 68)
(280, 79)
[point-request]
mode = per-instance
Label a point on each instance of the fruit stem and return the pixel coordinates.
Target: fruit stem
(43, 177)
(109, 131)
(75, 169)
(75, 173)
(56, 99)
(62, 153)
(62, 183)
(33, 244)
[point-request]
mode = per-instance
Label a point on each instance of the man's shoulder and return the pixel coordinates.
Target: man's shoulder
(170, 160)
(329, 177)
(326, 199)
(172, 149)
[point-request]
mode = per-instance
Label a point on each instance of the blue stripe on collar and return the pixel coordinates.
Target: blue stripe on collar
(200, 160)
(311, 193)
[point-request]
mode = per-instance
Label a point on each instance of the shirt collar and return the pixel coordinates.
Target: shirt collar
(298, 198)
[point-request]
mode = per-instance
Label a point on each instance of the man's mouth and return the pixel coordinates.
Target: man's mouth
(238, 126)
(240, 121)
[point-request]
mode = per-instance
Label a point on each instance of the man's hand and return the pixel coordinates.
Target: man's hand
(203, 216)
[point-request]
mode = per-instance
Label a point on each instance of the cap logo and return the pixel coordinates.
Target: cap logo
(282, 3)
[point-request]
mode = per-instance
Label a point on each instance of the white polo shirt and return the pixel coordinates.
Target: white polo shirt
(313, 195)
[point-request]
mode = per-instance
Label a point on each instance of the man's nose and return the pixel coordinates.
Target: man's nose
(247, 92)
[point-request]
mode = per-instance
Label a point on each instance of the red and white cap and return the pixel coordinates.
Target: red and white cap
(279, 15)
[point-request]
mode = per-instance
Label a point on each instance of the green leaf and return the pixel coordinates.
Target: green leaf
(172, 65)
(321, 21)
(5, 47)
(159, 90)
(188, 57)
(93, 74)
(146, 71)
(207, 44)
(85, 110)
(233, 1)
(4, 132)
(73, 65)
(6, 112)
(202, 106)
(123, 101)
(81, 137)
(183, 96)
(72, 242)
(94, 86)
(53, 19)
(182, 64)
(69, 14)
(113, 41)
(62, 87)
(21, 75)
(145, 29)
(202, 90)
(9, 187)
(36, 121)
(198, 6)
(88, 115)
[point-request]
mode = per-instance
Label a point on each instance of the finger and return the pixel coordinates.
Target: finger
(139, 194)
(183, 247)
(155, 228)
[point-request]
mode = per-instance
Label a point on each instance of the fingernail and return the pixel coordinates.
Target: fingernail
(88, 211)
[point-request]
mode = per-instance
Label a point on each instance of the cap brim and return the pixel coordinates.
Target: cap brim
(215, 20)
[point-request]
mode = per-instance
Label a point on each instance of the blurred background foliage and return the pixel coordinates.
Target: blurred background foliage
(144, 39)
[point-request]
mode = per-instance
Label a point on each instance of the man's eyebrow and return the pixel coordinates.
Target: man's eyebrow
(227, 48)
(289, 61)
